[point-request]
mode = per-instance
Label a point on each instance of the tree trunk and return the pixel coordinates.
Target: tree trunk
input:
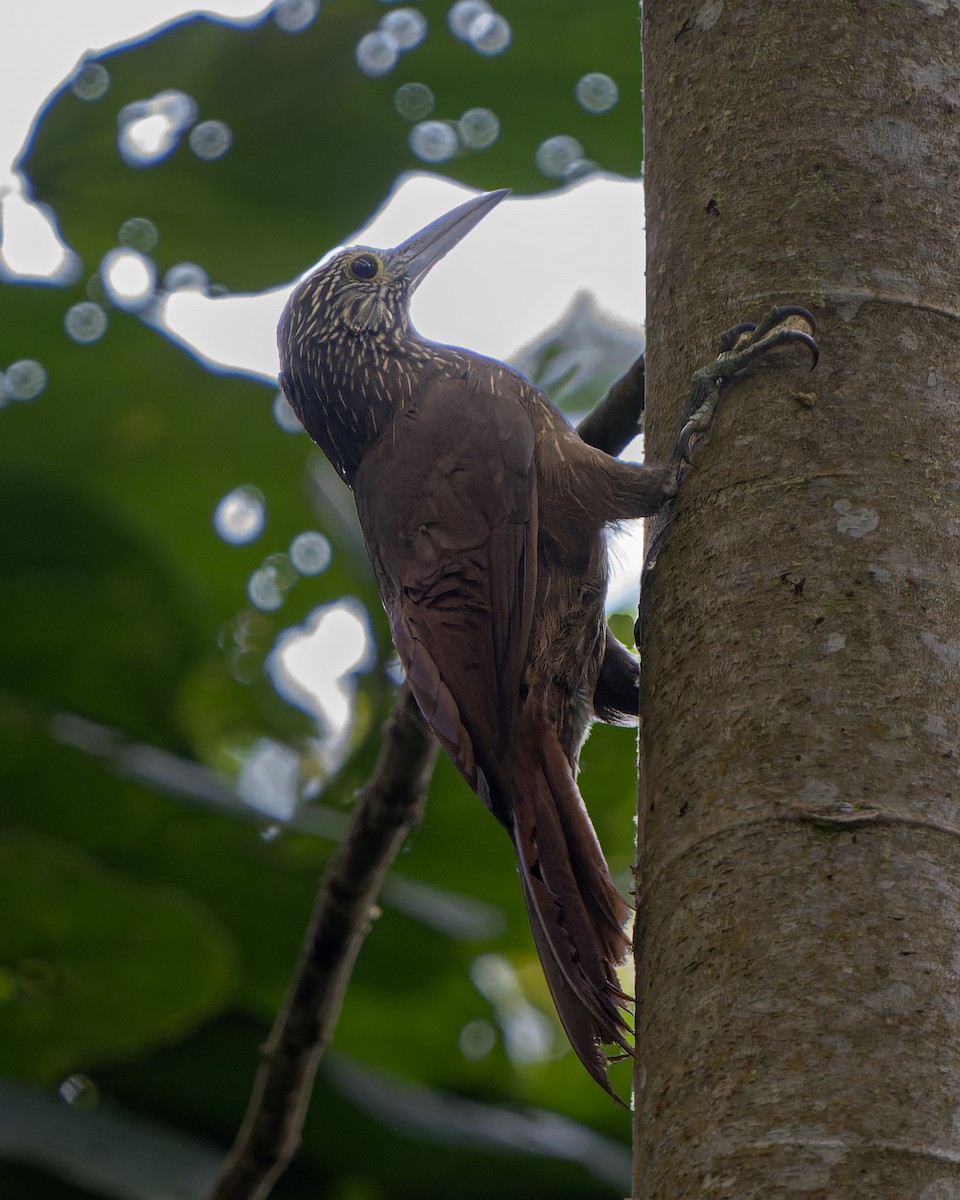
(798, 933)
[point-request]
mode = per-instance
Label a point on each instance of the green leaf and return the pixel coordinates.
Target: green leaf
(259, 891)
(91, 621)
(111, 477)
(94, 966)
(316, 143)
(123, 606)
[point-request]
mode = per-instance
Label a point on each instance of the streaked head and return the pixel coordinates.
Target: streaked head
(367, 291)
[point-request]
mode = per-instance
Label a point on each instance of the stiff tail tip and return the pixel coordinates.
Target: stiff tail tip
(576, 915)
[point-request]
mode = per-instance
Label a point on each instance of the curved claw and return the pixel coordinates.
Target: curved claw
(805, 339)
(794, 310)
(741, 346)
(698, 423)
(730, 337)
(783, 337)
(778, 315)
(683, 443)
(773, 331)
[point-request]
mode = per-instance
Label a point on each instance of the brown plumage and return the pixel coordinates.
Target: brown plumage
(484, 516)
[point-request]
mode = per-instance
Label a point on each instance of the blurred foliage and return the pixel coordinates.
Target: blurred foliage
(151, 921)
(316, 143)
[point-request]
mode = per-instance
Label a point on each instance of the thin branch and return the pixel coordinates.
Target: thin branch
(618, 417)
(390, 804)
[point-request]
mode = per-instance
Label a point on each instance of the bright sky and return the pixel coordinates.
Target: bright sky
(584, 238)
(45, 39)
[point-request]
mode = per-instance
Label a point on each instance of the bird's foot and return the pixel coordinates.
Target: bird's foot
(740, 347)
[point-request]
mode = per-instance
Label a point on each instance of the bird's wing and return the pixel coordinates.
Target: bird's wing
(448, 501)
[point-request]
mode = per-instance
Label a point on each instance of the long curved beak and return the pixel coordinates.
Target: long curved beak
(414, 257)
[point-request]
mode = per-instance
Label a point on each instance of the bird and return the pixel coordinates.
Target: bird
(484, 516)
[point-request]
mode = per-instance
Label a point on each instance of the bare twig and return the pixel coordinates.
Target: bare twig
(618, 417)
(390, 804)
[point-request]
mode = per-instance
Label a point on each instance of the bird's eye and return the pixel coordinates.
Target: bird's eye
(364, 267)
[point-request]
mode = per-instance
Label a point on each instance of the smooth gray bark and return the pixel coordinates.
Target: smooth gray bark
(798, 933)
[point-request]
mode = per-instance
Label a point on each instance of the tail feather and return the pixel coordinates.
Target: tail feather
(579, 1023)
(576, 913)
(607, 909)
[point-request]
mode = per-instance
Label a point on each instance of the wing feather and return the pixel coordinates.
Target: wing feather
(451, 493)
